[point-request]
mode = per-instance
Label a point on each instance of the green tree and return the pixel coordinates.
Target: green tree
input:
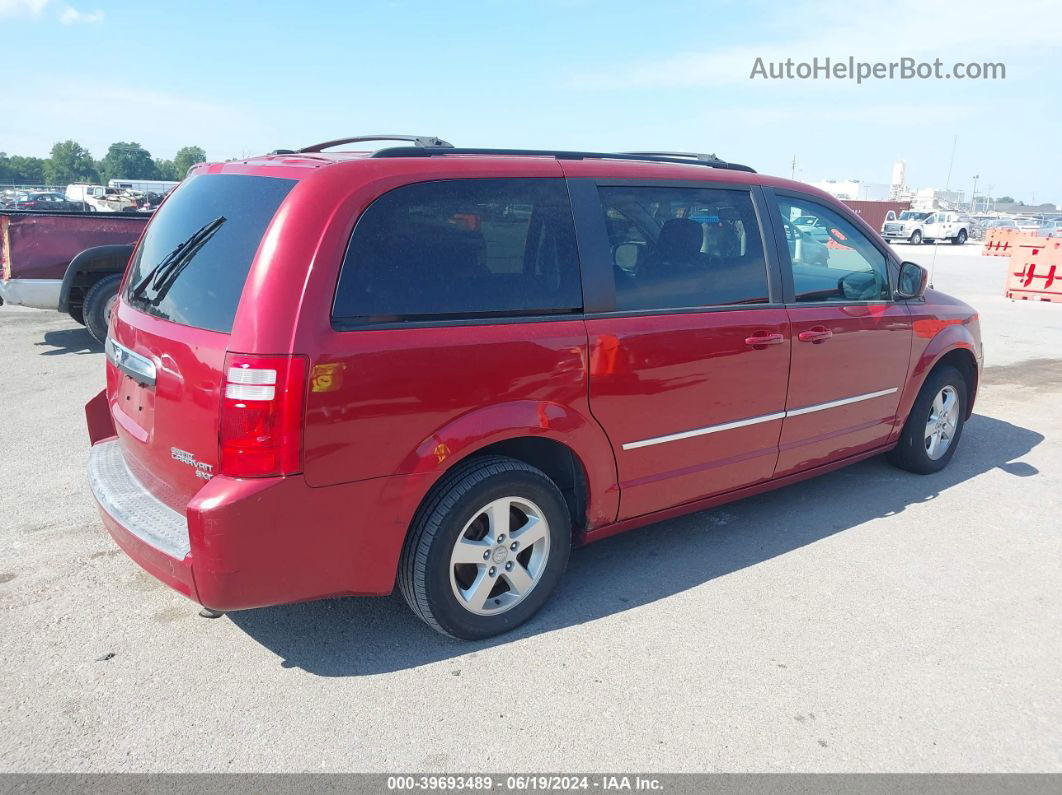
(1006, 200)
(187, 157)
(165, 169)
(69, 162)
(127, 161)
(26, 170)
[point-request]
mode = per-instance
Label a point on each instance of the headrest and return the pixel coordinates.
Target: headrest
(680, 238)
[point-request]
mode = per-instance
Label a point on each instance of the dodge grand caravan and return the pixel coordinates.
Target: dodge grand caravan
(331, 372)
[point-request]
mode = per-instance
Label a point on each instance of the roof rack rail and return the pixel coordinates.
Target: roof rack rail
(560, 154)
(417, 141)
(701, 156)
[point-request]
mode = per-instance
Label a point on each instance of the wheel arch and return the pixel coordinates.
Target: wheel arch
(569, 447)
(87, 268)
(953, 345)
(558, 461)
(963, 360)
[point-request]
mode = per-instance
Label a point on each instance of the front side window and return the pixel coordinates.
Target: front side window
(676, 248)
(462, 248)
(831, 260)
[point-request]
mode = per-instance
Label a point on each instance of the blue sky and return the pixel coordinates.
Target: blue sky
(244, 77)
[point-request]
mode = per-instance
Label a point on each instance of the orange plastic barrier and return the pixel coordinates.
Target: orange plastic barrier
(1000, 242)
(1035, 272)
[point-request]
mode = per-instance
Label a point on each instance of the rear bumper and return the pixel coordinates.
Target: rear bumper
(255, 542)
(151, 533)
(35, 293)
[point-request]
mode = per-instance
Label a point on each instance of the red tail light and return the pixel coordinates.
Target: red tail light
(262, 415)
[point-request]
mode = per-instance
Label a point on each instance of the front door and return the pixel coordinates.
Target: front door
(851, 342)
(688, 371)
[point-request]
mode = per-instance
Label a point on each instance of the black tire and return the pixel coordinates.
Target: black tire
(77, 314)
(96, 309)
(911, 453)
(916, 237)
(960, 238)
(424, 570)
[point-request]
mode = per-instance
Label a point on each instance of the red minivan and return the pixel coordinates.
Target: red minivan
(331, 371)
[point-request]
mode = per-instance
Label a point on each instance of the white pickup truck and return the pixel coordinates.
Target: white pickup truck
(98, 198)
(926, 227)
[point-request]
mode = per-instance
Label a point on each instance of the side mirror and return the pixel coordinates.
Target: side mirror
(912, 282)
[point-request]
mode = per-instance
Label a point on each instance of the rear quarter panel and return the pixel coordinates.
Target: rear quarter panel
(411, 401)
(416, 401)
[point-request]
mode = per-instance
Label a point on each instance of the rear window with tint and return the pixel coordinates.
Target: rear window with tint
(465, 248)
(206, 291)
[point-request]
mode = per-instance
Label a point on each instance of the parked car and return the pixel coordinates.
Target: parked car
(908, 226)
(46, 202)
(946, 225)
(85, 194)
(1028, 223)
(1051, 228)
(328, 373)
(66, 262)
(813, 227)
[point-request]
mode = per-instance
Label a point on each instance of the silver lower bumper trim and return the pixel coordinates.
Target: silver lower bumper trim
(35, 293)
(123, 497)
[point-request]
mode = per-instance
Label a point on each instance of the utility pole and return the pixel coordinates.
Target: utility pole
(792, 173)
(973, 196)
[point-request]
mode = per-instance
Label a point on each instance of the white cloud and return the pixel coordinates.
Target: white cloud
(33, 9)
(974, 30)
(71, 16)
(21, 8)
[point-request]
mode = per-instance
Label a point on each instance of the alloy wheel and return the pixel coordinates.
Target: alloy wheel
(942, 423)
(500, 556)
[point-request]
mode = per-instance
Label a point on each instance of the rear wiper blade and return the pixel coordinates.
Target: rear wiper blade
(181, 254)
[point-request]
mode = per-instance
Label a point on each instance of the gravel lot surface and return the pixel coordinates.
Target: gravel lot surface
(869, 620)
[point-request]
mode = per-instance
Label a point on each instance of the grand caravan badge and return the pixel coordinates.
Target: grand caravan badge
(202, 470)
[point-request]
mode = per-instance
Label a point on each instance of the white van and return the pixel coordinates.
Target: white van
(97, 198)
(80, 192)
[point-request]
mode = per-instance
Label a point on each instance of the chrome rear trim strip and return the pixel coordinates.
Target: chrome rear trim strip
(137, 367)
(727, 426)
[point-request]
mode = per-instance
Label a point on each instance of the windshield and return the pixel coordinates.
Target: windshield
(909, 215)
(204, 291)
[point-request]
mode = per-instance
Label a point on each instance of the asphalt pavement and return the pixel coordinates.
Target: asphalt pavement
(868, 620)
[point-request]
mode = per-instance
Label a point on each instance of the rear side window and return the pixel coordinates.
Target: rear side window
(200, 284)
(675, 248)
(462, 249)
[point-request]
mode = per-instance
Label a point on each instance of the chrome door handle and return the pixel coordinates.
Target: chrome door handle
(815, 335)
(758, 341)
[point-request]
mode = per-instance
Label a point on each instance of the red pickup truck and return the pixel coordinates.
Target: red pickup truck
(70, 262)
